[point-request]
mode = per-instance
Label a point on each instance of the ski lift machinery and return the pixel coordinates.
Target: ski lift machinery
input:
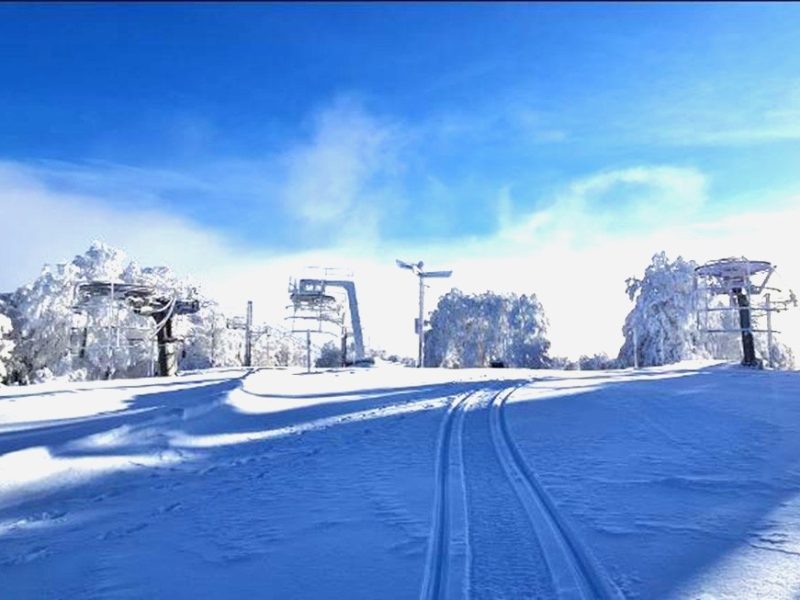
(744, 283)
(144, 301)
(316, 309)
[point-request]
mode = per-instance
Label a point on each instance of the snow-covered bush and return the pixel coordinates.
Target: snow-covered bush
(330, 356)
(597, 362)
(782, 356)
(563, 363)
(401, 360)
(476, 330)
(289, 350)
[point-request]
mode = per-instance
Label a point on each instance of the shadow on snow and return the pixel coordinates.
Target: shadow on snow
(662, 477)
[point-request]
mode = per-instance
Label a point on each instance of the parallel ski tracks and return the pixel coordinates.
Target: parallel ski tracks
(573, 572)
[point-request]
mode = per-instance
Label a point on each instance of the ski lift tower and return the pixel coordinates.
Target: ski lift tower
(312, 300)
(315, 310)
(743, 282)
(251, 333)
(420, 322)
(142, 300)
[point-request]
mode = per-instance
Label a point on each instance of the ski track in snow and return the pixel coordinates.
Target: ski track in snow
(505, 558)
(572, 573)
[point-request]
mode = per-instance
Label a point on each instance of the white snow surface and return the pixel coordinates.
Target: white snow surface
(667, 482)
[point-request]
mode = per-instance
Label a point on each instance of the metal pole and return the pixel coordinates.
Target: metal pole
(308, 351)
(248, 336)
(421, 322)
(151, 369)
(344, 348)
(110, 368)
(417, 270)
(635, 330)
(768, 306)
(213, 337)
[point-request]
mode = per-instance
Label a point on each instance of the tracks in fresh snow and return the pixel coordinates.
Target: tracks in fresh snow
(502, 524)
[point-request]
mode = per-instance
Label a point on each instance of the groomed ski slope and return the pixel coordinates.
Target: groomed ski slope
(680, 481)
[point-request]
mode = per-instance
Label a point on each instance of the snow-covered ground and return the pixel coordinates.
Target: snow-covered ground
(398, 483)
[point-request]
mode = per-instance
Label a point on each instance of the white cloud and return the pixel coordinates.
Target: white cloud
(735, 113)
(633, 198)
(337, 175)
(41, 224)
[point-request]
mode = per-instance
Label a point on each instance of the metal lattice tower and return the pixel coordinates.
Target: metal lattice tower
(316, 308)
(744, 283)
(143, 300)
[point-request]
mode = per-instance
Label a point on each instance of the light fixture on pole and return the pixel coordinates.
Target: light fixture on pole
(422, 275)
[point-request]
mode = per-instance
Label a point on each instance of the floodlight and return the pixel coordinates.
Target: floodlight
(417, 270)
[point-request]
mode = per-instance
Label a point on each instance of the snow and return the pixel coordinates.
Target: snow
(679, 481)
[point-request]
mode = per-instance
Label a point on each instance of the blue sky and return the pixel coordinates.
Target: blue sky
(284, 129)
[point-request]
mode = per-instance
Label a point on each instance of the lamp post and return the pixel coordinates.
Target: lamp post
(422, 275)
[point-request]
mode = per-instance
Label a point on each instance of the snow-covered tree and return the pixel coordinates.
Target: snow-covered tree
(42, 317)
(105, 338)
(6, 346)
(207, 341)
(663, 317)
(477, 330)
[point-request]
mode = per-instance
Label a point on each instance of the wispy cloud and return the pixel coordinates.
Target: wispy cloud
(344, 173)
(734, 113)
(334, 185)
(107, 179)
(614, 201)
(513, 119)
(44, 223)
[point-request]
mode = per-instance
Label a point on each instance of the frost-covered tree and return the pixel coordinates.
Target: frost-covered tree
(6, 346)
(105, 338)
(207, 341)
(476, 330)
(42, 317)
(663, 316)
